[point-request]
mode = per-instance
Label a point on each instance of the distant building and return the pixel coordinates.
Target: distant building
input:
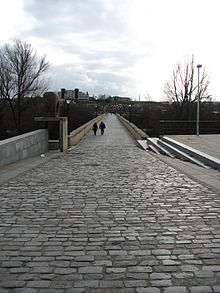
(83, 96)
(114, 98)
(103, 97)
(122, 99)
(73, 95)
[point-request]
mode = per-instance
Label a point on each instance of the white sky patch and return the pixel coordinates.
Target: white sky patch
(11, 12)
(13, 20)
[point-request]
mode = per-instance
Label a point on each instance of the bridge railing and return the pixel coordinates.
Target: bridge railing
(175, 127)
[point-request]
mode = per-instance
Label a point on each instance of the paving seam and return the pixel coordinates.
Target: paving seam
(180, 169)
(22, 166)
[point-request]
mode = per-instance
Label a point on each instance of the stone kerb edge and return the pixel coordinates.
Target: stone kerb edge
(203, 157)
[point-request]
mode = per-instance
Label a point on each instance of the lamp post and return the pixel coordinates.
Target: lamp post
(130, 113)
(96, 111)
(198, 98)
(67, 113)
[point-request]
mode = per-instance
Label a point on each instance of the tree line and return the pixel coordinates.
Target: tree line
(21, 76)
(185, 86)
(151, 116)
(23, 81)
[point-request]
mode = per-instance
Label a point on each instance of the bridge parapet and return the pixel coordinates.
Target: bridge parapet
(23, 146)
(77, 134)
(63, 126)
(136, 132)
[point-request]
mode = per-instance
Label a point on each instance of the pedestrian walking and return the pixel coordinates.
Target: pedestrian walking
(94, 128)
(102, 127)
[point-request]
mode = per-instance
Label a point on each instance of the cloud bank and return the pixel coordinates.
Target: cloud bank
(117, 47)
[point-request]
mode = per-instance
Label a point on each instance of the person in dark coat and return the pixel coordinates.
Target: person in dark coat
(94, 128)
(102, 127)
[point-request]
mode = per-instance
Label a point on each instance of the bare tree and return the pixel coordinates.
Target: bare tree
(21, 75)
(182, 89)
(148, 97)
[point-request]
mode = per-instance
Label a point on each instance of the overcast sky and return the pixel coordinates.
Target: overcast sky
(117, 47)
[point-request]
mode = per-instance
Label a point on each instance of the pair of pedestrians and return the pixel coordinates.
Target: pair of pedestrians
(101, 126)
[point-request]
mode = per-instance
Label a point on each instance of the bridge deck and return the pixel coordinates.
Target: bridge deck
(108, 217)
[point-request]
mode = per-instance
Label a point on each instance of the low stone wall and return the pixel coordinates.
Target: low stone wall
(77, 134)
(23, 146)
(136, 132)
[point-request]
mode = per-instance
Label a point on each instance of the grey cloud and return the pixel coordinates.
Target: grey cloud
(67, 76)
(93, 74)
(96, 59)
(101, 40)
(56, 17)
(110, 41)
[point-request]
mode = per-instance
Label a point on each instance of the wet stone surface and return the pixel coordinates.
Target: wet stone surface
(108, 217)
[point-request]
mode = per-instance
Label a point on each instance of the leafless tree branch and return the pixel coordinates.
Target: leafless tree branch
(21, 75)
(182, 89)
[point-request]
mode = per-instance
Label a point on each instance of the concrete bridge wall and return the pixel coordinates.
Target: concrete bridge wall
(22, 146)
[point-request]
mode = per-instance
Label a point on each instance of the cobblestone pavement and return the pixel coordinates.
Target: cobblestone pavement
(108, 217)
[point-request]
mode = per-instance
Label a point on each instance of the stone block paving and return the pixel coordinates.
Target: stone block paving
(108, 217)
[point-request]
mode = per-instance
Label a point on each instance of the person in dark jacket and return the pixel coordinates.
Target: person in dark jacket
(102, 127)
(94, 128)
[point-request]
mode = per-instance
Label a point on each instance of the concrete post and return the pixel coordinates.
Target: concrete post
(63, 134)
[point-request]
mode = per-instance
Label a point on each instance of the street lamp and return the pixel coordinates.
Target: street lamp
(67, 113)
(130, 113)
(96, 111)
(198, 98)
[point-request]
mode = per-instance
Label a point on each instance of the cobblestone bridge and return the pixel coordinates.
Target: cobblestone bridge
(108, 217)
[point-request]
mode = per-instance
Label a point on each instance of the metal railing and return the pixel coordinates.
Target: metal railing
(175, 127)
